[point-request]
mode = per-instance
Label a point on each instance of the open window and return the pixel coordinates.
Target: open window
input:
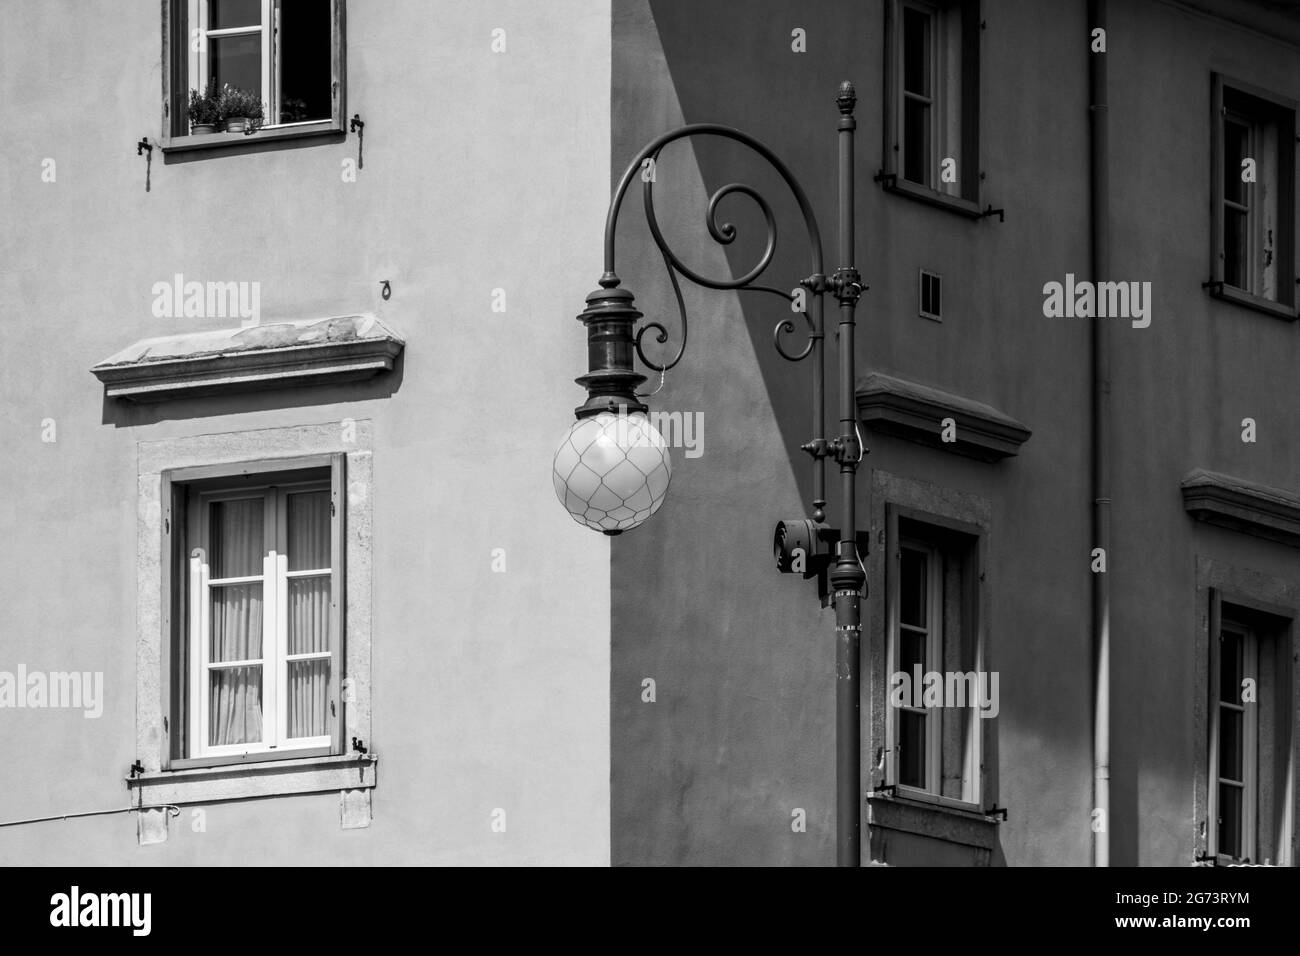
(931, 142)
(287, 53)
(1253, 261)
(939, 691)
(1251, 773)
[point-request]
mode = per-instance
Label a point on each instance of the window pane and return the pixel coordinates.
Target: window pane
(235, 538)
(223, 14)
(308, 698)
(911, 653)
(235, 706)
(911, 749)
(1230, 650)
(237, 60)
(1235, 139)
(309, 615)
(1229, 820)
(916, 142)
(912, 587)
(1234, 249)
(236, 623)
(1230, 728)
(309, 531)
(306, 75)
(916, 52)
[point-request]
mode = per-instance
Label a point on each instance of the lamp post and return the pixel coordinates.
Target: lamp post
(612, 469)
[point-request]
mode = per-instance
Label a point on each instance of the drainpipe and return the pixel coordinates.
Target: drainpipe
(1099, 189)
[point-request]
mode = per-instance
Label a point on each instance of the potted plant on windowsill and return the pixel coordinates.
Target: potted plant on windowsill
(205, 111)
(241, 110)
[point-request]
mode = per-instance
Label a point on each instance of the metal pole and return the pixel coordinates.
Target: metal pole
(847, 577)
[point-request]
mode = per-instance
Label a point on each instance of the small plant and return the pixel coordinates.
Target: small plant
(205, 107)
(236, 103)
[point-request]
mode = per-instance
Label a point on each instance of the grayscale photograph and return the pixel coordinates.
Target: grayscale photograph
(650, 433)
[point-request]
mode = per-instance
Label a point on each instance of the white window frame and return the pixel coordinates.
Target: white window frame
(1249, 744)
(1260, 205)
(933, 653)
(268, 27)
(943, 55)
(275, 658)
(930, 149)
(973, 790)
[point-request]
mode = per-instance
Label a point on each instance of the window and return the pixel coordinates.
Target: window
(1253, 202)
(932, 101)
(930, 293)
(259, 620)
(938, 691)
(301, 618)
(289, 53)
(1250, 820)
(262, 625)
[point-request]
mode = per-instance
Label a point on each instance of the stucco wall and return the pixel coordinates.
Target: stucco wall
(742, 732)
(1182, 388)
(482, 170)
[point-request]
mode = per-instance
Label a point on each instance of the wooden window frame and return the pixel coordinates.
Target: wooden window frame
(180, 62)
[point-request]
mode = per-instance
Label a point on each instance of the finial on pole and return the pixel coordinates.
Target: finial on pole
(846, 98)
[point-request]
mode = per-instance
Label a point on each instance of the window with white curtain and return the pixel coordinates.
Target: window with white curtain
(262, 638)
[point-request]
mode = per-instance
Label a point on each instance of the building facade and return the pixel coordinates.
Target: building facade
(450, 540)
(285, 580)
(992, 531)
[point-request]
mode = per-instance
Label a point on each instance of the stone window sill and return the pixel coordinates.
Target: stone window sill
(934, 820)
(223, 141)
(245, 780)
(932, 197)
(1227, 293)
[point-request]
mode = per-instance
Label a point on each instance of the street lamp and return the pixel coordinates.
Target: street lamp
(612, 469)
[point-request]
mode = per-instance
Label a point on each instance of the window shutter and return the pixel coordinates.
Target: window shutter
(338, 68)
(892, 569)
(1216, 197)
(889, 142)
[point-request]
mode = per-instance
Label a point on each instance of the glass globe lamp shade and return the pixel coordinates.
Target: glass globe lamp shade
(611, 471)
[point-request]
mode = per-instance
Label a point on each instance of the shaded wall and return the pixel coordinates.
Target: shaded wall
(742, 730)
(1181, 390)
